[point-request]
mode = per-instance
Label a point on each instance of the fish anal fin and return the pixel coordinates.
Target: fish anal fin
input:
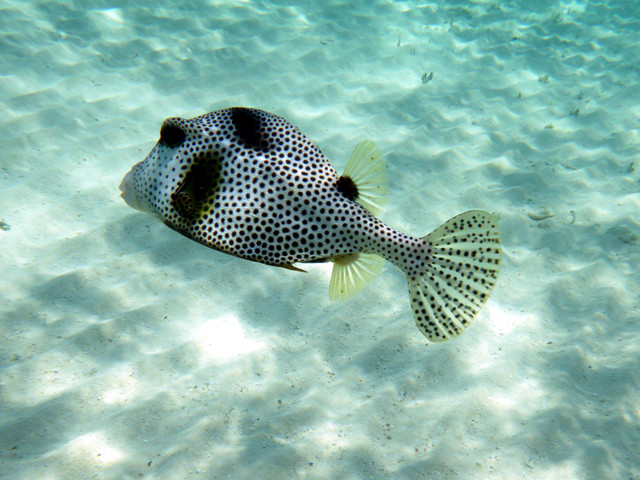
(351, 272)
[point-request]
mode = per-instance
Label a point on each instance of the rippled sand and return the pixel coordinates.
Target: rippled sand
(127, 351)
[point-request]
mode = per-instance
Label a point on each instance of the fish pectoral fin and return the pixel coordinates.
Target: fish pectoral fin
(351, 272)
(291, 267)
(366, 168)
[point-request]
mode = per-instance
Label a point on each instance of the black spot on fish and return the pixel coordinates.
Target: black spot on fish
(195, 195)
(347, 187)
(250, 129)
(172, 136)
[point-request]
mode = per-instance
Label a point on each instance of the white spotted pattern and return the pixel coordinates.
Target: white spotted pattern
(248, 183)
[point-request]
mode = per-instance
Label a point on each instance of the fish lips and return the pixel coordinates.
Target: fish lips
(128, 191)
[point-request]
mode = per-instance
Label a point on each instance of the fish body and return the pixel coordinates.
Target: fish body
(248, 183)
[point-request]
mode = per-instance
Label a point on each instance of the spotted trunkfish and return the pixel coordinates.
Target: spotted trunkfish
(250, 184)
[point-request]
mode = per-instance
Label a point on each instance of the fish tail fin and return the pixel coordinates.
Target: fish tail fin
(463, 259)
(367, 170)
(351, 272)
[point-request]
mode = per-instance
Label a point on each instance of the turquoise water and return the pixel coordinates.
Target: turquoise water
(127, 351)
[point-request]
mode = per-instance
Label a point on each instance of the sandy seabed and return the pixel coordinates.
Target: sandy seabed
(129, 352)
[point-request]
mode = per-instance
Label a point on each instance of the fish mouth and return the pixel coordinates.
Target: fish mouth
(125, 185)
(128, 191)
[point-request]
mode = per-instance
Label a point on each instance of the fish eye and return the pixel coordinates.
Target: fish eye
(172, 136)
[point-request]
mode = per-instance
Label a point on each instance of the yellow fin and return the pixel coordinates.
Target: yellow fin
(351, 272)
(366, 168)
(463, 261)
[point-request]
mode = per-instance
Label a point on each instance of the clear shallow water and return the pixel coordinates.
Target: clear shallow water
(129, 352)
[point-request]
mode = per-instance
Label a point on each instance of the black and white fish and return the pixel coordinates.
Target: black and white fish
(249, 183)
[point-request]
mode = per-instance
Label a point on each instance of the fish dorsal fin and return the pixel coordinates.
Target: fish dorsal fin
(351, 272)
(367, 171)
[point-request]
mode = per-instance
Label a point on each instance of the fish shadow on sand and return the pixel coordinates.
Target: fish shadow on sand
(325, 391)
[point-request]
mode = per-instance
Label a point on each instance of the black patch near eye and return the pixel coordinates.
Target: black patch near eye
(347, 187)
(250, 129)
(197, 192)
(172, 136)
